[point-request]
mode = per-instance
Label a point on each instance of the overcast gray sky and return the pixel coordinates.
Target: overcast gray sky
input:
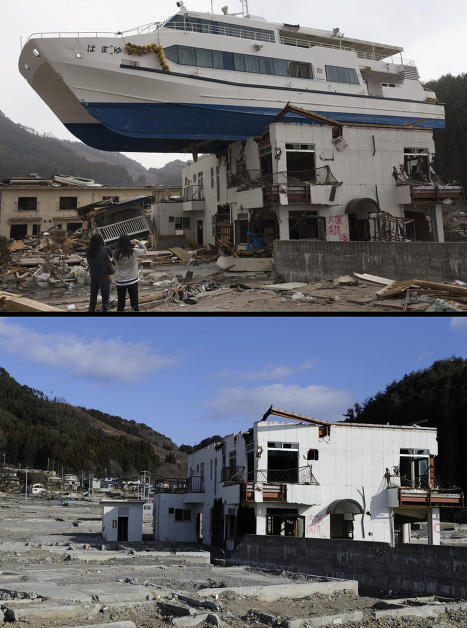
(432, 32)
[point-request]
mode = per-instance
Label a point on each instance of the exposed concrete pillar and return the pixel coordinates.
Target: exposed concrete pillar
(260, 519)
(283, 217)
(439, 222)
(406, 533)
(434, 527)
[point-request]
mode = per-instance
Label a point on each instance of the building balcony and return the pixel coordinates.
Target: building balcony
(194, 484)
(409, 193)
(193, 198)
(277, 485)
(307, 187)
(431, 497)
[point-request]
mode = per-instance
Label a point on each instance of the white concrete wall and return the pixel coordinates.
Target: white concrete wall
(111, 512)
(352, 463)
(166, 528)
(365, 168)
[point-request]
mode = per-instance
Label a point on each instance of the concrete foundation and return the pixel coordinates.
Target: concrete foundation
(313, 260)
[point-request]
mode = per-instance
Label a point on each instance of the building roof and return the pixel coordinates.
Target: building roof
(304, 419)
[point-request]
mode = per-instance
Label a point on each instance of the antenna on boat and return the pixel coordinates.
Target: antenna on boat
(245, 8)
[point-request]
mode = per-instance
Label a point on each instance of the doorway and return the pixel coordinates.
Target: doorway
(18, 232)
(122, 532)
(199, 232)
(341, 527)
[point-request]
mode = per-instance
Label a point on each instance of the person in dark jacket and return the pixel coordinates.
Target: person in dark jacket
(98, 260)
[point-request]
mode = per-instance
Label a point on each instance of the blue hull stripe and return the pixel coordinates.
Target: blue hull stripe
(185, 121)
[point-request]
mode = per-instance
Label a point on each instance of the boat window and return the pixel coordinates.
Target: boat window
(203, 58)
(200, 25)
(341, 75)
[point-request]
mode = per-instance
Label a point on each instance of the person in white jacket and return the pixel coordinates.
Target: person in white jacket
(125, 258)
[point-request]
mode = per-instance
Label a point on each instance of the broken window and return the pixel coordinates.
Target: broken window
(282, 462)
(284, 522)
(300, 163)
(265, 158)
(18, 232)
(68, 202)
(416, 164)
(27, 203)
(182, 514)
(36, 230)
(414, 468)
(306, 225)
(313, 454)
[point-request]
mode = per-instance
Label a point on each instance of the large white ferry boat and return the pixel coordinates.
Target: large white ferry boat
(198, 81)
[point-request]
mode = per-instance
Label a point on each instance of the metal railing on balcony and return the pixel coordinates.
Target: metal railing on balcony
(193, 193)
(297, 475)
(255, 178)
(195, 484)
(233, 475)
(130, 227)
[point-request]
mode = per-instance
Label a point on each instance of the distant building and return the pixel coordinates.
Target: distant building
(30, 206)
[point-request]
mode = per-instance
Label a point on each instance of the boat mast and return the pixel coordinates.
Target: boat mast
(245, 8)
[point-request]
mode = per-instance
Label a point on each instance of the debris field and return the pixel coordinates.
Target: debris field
(56, 572)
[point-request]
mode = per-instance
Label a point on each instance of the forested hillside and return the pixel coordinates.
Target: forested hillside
(35, 430)
(451, 143)
(433, 397)
(23, 151)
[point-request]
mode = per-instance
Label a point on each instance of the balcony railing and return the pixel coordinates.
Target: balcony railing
(133, 226)
(233, 475)
(247, 179)
(300, 475)
(193, 193)
(195, 484)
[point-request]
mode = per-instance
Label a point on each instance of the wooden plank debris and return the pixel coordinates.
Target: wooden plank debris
(374, 279)
(428, 287)
(16, 303)
(181, 254)
(17, 246)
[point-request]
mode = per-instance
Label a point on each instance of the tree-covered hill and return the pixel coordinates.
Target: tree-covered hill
(451, 143)
(35, 430)
(23, 151)
(433, 397)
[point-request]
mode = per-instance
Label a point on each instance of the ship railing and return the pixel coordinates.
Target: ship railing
(228, 30)
(138, 30)
(310, 43)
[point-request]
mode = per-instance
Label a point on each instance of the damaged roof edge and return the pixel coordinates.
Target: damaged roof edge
(299, 417)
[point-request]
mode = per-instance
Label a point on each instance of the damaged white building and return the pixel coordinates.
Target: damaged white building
(306, 478)
(311, 177)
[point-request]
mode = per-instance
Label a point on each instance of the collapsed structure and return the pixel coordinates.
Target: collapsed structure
(307, 478)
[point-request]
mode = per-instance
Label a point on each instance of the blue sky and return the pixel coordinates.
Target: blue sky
(190, 378)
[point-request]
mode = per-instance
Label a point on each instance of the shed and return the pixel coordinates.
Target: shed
(122, 520)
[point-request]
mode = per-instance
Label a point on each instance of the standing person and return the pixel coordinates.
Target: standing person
(99, 267)
(125, 258)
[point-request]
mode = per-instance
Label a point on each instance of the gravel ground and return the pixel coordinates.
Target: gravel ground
(43, 531)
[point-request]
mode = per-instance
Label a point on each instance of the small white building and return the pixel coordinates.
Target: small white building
(306, 478)
(122, 520)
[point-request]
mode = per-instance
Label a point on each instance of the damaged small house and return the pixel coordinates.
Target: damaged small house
(307, 478)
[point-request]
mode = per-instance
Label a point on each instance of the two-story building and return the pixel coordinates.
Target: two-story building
(307, 478)
(311, 177)
(30, 206)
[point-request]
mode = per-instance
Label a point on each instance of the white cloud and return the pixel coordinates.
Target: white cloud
(459, 323)
(269, 372)
(96, 359)
(320, 402)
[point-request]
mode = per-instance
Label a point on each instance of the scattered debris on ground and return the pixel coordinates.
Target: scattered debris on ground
(51, 271)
